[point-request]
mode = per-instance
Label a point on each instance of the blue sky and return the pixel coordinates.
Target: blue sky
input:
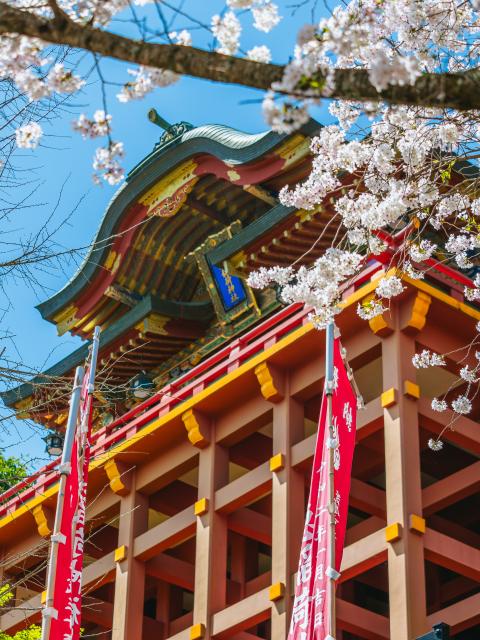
(61, 169)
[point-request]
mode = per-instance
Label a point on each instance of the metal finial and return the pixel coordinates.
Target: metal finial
(157, 119)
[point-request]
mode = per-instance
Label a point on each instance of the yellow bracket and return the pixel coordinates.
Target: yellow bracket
(378, 325)
(411, 389)
(41, 519)
(197, 631)
(277, 462)
(120, 553)
(388, 398)
(417, 524)
(393, 532)
(418, 316)
(276, 591)
(114, 473)
(201, 507)
(197, 428)
(270, 382)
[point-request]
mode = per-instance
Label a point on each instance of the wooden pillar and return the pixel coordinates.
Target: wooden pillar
(238, 561)
(287, 508)
(130, 573)
(211, 539)
(162, 607)
(406, 570)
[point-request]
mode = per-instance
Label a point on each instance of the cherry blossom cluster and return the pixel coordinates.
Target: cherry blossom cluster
(99, 125)
(23, 61)
(265, 13)
(145, 80)
(28, 135)
(227, 28)
(106, 163)
(390, 168)
(318, 286)
(461, 404)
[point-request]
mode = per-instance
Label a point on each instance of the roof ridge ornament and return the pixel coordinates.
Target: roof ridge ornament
(171, 131)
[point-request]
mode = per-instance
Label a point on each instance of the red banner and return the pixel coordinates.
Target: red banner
(68, 579)
(310, 614)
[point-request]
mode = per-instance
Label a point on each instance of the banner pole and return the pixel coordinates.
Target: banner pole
(56, 538)
(329, 388)
(93, 360)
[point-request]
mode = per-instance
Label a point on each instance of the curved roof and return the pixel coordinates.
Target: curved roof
(227, 136)
(223, 144)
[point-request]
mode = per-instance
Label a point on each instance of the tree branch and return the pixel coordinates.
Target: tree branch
(451, 90)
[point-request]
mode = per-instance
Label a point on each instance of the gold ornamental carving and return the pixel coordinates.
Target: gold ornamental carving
(168, 195)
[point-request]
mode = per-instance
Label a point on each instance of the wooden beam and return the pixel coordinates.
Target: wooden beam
(251, 524)
(242, 615)
(177, 495)
(457, 587)
(363, 529)
(99, 572)
(367, 498)
(362, 622)
(464, 431)
(451, 489)
(100, 613)
(454, 530)
(96, 574)
(252, 451)
(208, 212)
(176, 529)
(242, 420)
(452, 554)
(244, 490)
(363, 555)
(172, 570)
(460, 616)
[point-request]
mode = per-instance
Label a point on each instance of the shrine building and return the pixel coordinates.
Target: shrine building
(206, 411)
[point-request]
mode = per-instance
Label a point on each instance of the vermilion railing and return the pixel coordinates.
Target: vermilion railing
(227, 359)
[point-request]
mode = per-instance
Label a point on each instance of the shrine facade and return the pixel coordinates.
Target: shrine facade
(206, 414)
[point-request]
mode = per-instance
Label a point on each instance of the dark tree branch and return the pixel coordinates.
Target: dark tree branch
(451, 90)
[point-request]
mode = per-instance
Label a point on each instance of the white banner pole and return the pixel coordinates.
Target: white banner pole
(49, 611)
(329, 388)
(55, 539)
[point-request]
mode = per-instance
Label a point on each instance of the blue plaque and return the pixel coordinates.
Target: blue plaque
(230, 288)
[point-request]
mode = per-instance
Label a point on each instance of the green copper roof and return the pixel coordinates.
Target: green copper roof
(198, 311)
(225, 135)
(223, 142)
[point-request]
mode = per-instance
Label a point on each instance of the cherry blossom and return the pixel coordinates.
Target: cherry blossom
(318, 286)
(427, 359)
(389, 286)
(227, 30)
(370, 309)
(106, 164)
(260, 54)
(265, 16)
(462, 405)
(98, 126)
(28, 136)
(439, 405)
(435, 445)
(145, 81)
